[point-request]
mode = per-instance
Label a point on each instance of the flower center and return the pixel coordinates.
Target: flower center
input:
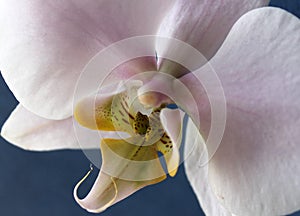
(141, 123)
(123, 112)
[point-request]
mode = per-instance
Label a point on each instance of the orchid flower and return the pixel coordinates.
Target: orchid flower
(45, 46)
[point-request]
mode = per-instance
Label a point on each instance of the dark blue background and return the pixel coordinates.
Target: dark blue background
(33, 184)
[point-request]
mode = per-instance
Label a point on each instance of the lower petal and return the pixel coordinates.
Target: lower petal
(195, 144)
(31, 132)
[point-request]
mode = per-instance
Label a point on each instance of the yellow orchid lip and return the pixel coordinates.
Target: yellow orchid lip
(116, 113)
(132, 161)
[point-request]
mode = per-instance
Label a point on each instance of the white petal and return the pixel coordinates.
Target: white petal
(44, 45)
(195, 144)
(31, 132)
(256, 168)
(203, 24)
(28, 131)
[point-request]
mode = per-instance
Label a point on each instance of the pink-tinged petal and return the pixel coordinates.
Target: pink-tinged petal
(203, 24)
(256, 168)
(44, 45)
(31, 132)
(164, 88)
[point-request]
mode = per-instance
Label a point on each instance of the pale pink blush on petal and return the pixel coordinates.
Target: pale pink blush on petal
(44, 45)
(256, 168)
(203, 24)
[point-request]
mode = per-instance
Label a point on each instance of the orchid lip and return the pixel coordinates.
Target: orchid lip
(120, 112)
(133, 160)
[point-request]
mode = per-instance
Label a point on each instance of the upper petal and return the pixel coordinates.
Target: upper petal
(202, 24)
(44, 45)
(256, 168)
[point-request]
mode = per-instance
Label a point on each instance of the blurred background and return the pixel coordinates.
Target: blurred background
(33, 184)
